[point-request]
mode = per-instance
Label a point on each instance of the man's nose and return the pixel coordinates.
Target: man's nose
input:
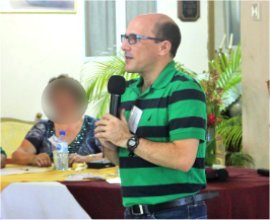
(125, 45)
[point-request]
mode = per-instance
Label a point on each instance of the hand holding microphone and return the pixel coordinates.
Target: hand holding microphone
(113, 127)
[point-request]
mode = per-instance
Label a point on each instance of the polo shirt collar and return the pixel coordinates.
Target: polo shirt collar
(165, 77)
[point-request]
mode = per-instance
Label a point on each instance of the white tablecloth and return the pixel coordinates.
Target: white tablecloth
(40, 200)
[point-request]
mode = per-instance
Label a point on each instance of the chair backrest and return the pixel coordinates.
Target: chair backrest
(13, 132)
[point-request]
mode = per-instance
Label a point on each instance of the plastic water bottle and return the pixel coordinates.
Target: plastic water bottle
(62, 145)
(60, 155)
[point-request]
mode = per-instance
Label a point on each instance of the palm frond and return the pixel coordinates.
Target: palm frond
(231, 132)
(227, 65)
(239, 159)
(186, 70)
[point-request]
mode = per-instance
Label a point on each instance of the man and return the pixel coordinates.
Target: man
(159, 140)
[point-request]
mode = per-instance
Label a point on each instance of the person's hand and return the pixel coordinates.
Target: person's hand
(76, 158)
(42, 160)
(113, 130)
(107, 144)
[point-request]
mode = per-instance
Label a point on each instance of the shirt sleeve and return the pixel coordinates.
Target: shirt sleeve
(37, 134)
(187, 112)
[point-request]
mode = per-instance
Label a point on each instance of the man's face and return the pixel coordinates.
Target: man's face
(142, 56)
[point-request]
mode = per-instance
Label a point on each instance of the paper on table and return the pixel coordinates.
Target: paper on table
(114, 180)
(84, 176)
(23, 169)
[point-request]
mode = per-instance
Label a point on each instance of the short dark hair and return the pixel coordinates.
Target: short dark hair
(62, 76)
(169, 31)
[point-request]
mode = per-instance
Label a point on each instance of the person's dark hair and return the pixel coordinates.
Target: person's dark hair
(169, 31)
(62, 76)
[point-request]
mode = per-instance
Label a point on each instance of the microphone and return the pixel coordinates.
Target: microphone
(116, 87)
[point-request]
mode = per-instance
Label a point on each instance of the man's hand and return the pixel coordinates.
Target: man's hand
(42, 160)
(114, 130)
(110, 151)
(108, 145)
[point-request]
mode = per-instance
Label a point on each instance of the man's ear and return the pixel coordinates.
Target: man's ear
(165, 47)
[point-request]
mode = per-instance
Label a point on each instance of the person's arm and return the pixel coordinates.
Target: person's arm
(77, 158)
(3, 157)
(179, 154)
(3, 160)
(186, 128)
(26, 155)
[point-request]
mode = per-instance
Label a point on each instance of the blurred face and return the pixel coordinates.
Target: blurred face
(142, 56)
(64, 105)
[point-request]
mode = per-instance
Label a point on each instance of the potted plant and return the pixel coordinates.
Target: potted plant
(223, 91)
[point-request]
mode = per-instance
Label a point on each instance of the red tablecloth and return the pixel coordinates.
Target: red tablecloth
(244, 195)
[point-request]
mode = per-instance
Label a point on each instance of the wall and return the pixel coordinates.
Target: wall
(193, 51)
(255, 66)
(36, 47)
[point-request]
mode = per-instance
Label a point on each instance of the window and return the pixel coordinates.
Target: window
(106, 20)
(100, 28)
(227, 22)
(232, 20)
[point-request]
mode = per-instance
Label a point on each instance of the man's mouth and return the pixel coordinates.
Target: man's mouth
(128, 57)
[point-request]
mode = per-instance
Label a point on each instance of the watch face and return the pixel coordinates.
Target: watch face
(132, 142)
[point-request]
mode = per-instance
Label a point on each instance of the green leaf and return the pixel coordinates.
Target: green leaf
(96, 83)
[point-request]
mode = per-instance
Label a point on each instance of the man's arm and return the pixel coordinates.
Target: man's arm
(179, 154)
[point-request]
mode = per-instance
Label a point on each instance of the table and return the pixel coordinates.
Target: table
(244, 195)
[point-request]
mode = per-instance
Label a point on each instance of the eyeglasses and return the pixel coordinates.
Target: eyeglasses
(134, 38)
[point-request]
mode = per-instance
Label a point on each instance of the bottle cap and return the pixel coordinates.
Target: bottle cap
(62, 133)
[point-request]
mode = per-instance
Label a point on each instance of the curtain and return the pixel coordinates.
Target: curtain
(134, 8)
(232, 17)
(100, 28)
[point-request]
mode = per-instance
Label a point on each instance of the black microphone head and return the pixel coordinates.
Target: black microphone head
(116, 85)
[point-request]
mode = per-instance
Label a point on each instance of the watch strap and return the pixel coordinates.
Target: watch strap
(130, 147)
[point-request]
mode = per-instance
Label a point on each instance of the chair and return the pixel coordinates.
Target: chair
(13, 132)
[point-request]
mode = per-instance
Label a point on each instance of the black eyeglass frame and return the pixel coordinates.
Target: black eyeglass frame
(137, 37)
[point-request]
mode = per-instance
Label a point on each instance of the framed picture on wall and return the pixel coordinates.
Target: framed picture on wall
(38, 6)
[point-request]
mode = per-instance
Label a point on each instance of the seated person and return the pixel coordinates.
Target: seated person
(3, 157)
(66, 101)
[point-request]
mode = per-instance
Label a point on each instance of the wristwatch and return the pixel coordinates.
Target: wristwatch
(132, 144)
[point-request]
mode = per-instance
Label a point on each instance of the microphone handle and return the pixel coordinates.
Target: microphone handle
(114, 105)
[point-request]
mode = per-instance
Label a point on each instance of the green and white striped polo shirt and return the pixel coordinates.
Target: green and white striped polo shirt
(173, 109)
